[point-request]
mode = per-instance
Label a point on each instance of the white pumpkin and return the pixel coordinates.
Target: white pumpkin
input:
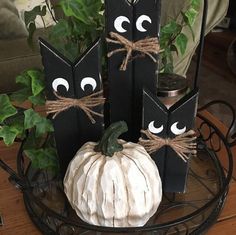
(113, 183)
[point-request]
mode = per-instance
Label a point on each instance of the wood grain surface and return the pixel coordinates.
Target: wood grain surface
(17, 221)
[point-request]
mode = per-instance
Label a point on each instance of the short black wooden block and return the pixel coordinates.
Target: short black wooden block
(168, 123)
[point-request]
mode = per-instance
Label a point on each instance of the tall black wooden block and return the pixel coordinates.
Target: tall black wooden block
(73, 80)
(146, 25)
(133, 21)
(119, 16)
(169, 123)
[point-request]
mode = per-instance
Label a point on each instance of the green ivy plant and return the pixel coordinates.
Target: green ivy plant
(81, 24)
(172, 38)
(18, 123)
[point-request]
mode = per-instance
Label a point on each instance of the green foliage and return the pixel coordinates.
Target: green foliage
(32, 83)
(17, 123)
(30, 17)
(44, 158)
(181, 42)
(42, 124)
(84, 21)
(6, 108)
(81, 9)
(9, 134)
(172, 38)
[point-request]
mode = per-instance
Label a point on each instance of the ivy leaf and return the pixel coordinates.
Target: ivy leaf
(43, 158)
(23, 79)
(37, 83)
(83, 10)
(21, 95)
(43, 127)
(42, 124)
(31, 29)
(181, 43)
(9, 134)
(171, 28)
(168, 33)
(195, 4)
(32, 142)
(31, 118)
(31, 15)
(191, 15)
(37, 100)
(16, 123)
(6, 108)
(61, 29)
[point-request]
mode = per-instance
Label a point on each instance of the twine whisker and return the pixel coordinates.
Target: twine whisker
(147, 46)
(85, 103)
(182, 144)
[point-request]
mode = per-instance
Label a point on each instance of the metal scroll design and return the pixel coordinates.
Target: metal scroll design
(231, 133)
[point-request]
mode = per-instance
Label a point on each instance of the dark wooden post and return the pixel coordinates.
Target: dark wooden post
(73, 80)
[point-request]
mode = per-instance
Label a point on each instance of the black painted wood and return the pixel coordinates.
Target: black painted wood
(125, 87)
(72, 127)
(176, 170)
(153, 110)
(173, 170)
(120, 82)
(144, 69)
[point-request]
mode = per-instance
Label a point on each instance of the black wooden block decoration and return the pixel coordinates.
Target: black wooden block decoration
(73, 80)
(169, 123)
(146, 25)
(119, 19)
(133, 21)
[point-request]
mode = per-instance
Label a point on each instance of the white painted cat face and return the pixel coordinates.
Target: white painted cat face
(121, 21)
(157, 129)
(86, 83)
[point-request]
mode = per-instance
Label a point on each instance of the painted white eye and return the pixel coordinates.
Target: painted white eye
(60, 82)
(88, 81)
(175, 130)
(139, 22)
(153, 129)
(118, 24)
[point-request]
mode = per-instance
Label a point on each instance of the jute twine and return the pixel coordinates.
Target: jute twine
(86, 104)
(183, 144)
(147, 46)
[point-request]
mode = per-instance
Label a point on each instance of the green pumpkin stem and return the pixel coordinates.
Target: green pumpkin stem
(108, 145)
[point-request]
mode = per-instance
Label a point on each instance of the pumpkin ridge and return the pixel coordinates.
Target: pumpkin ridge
(126, 182)
(86, 176)
(142, 150)
(100, 173)
(71, 194)
(86, 160)
(140, 169)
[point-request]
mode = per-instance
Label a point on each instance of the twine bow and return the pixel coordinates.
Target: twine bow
(147, 46)
(183, 144)
(86, 104)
